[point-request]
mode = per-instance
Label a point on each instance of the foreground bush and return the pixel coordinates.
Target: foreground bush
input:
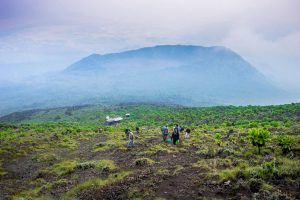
(286, 143)
(258, 137)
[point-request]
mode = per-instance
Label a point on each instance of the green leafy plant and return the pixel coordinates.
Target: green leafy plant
(258, 137)
(286, 143)
(218, 138)
(268, 169)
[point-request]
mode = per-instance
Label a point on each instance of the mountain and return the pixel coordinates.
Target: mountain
(176, 74)
(162, 57)
(214, 74)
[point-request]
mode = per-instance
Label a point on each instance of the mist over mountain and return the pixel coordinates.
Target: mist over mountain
(178, 74)
(208, 74)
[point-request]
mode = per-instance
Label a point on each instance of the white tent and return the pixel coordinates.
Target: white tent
(113, 120)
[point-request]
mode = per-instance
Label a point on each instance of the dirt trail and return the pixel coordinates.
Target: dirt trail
(180, 182)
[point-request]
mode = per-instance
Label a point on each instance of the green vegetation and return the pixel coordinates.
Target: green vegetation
(115, 140)
(159, 148)
(258, 137)
(143, 161)
(31, 194)
(77, 155)
(103, 165)
(2, 172)
(218, 138)
(98, 182)
(229, 173)
(45, 157)
(288, 167)
(64, 167)
(286, 143)
(156, 115)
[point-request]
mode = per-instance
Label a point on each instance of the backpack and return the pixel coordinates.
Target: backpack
(176, 130)
(131, 136)
(165, 131)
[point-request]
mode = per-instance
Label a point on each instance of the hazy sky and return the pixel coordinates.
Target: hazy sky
(47, 35)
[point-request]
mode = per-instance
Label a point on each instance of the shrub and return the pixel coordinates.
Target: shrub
(265, 171)
(287, 167)
(268, 168)
(86, 165)
(2, 172)
(232, 139)
(45, 157)
(267, 195)
(103, 165)
(206, 152)
(258, 137)
(255, 184)
(230, 173)
(163, 172)
(286, 143)
(64, 167)
(143, 161)
(218, 138)
(226, 151)
(242, 139)
(97, 183)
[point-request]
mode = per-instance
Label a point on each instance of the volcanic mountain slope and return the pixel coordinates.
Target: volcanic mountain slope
(175, 74)
(201, 74)
(68, 153)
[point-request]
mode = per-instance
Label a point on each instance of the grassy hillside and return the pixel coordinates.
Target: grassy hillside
(145, 114)
(61, 154)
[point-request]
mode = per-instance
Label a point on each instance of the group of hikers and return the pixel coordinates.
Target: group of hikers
(175, 139)
(175, 134)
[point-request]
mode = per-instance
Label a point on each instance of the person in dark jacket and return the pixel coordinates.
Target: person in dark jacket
(137, 131)
(175, 135)
(127, 130)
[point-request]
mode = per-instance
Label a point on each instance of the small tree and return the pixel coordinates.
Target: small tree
(258, 137)
(286, 143)
(218, 138)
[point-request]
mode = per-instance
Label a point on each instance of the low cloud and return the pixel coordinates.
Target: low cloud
(41, 36)
(279, 59)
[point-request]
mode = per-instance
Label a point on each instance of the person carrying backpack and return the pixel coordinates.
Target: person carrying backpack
(175, 135)
(165, 133)
(131, 138)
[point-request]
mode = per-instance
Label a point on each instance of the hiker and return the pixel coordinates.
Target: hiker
(127, 130)
(137, 131)
(131, 138)
(175, 135)
(187, 133)
(165, 133)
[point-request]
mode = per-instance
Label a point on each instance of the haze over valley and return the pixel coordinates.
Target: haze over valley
(176, 74)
